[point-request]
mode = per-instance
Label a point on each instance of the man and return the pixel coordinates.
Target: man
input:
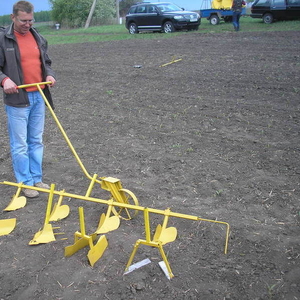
(237, 6)
(24, 60)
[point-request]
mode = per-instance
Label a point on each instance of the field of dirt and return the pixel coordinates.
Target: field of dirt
(214, 135)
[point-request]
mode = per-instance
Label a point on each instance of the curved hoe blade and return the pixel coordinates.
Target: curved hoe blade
(97, 250)
(168, 235)
(108, 224)
(59, 212)
(7, 226)
(43, 236)
(16, 203)
(165, 235)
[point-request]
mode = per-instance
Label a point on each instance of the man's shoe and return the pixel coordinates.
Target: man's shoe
(42, 185)
(30, 193)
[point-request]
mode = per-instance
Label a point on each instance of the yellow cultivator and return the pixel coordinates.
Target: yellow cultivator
(122, 204)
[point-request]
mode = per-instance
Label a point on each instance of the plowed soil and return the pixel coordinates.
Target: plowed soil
(214, 135)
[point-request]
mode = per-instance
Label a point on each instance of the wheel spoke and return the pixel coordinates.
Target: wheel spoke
(124, 212)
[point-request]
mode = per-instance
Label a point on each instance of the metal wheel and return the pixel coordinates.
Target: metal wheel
(214, 20)
(123, 212)
(168, 27)
(133, 28)
(268, 18)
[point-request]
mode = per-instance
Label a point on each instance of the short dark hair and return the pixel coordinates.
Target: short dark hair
(24, 6)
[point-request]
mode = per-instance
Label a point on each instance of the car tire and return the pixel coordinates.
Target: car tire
(268, 18)
(133, 28)
(168, 27)
(214, 20)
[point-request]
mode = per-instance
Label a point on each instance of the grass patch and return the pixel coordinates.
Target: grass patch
(119, 32)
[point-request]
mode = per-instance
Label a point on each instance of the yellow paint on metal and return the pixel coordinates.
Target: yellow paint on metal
(157, 244)
(17, 201)
(120, 195)
(108, 223)
(162, 233)
(59, 211)
(82, 240)
(96, 252)
(221, 4)
(46, 234)
(171, 62)
(7, 226)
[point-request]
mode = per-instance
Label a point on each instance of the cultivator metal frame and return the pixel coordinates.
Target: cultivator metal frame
(122, 204)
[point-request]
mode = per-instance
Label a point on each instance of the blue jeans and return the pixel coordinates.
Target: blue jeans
(25, 129)
(236, 20)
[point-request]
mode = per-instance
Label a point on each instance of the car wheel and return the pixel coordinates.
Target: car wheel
(268, 18)
(214, 20)
(132, 28)
(168, 27)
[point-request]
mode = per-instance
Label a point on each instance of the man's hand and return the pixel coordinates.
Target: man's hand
(52, 79)
(10, 87)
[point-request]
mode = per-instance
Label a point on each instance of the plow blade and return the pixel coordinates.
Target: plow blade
(165, 235)
(107, 224)
(7, 226)
(43, 236)
(97, 250)
(59, 211)
(79, 244)
(16, 203)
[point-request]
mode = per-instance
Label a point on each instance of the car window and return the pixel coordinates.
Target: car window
(263, 3)
(279, 3)
(141, 9)
(132, 10)
(151, 9)
(294, 2)
(168, 7)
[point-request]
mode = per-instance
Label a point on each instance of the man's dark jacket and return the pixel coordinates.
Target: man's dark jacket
(10, 65)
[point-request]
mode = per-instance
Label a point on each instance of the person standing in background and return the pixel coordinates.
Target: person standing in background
(237, 7)
(24, 60)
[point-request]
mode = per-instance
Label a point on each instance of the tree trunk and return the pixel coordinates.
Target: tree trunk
(118, 11)
(88, 21)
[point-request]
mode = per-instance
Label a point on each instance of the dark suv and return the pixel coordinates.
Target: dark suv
(160, 16)
(270, 10)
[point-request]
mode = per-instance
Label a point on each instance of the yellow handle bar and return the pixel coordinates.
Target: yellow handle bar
(38, 85)
(33, 84)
